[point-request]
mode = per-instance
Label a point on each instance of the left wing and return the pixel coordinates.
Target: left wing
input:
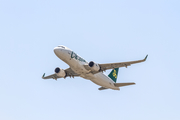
(69, 73)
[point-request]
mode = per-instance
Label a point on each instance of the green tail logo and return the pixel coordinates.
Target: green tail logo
(113, 74)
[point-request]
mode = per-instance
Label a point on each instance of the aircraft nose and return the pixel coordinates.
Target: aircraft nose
(56, 49)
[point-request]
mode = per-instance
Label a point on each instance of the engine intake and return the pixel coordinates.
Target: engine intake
(60, 72)
(57, 70)
(94, 66)
(91, 64)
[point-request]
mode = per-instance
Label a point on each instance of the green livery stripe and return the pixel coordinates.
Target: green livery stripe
(113, 74)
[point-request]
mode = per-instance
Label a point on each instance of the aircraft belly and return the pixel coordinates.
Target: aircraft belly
(77, 67)
(103, 80)
(99, 78)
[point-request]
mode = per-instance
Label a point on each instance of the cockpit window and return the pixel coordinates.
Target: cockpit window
(61, 47)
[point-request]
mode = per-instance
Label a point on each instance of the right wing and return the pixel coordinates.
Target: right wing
(104, 67)
(120, 64)
(69, 73)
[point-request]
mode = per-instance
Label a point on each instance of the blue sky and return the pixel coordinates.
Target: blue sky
(99, 30)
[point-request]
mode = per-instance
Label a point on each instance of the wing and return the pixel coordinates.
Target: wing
(120, 64)
(107, 66)
(69, 73)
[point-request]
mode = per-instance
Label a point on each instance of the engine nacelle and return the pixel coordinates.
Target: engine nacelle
(60, 72)
(94, 66)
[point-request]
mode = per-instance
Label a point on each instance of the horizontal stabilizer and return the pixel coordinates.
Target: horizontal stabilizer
(102, 88)
(122, 84)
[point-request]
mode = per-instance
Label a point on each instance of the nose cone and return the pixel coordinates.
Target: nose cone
(59, 51)
(56, 49)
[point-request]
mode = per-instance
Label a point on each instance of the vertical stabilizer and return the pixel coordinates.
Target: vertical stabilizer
(113, 74)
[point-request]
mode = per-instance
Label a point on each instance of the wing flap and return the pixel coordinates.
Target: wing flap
(70, 73)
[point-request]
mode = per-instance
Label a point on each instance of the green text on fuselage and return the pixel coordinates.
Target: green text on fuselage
(75, 56)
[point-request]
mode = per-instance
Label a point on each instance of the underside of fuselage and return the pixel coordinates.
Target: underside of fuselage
(77, 66)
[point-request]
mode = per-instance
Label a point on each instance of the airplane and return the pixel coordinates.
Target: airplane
(89, 70)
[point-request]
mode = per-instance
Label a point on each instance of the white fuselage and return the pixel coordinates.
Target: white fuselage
(77, 63)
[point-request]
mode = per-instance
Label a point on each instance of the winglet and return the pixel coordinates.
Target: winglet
(43, 75)
(145, 58)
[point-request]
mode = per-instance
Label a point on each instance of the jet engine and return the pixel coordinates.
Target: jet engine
(60, 72)
(94, 66)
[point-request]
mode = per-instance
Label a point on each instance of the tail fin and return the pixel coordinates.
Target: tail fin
(113, 74)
